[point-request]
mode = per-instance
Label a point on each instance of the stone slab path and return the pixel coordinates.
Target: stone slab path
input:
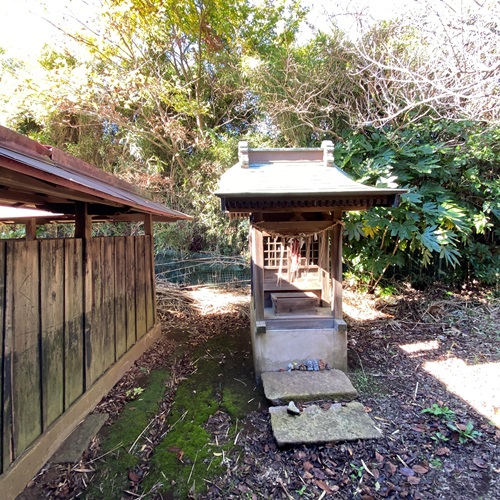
(330, 421)
(72, 449)
(347, 422)
(301, 386)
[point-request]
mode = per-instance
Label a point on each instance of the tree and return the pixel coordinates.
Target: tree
(440, 61)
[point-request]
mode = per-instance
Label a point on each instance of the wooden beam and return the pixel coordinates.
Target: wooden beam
(258, 273)
(324, 269)
(336, 266)
(148, 225)
(30, 225)
(83, 230)
(295, 227)
(83, 221)
(149, 231)
(13, 176)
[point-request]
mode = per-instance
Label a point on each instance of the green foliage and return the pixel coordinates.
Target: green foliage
(465, 432)
(440, 411)
(450, 217)
(133, 393)
(439, 436)
(164, 90)
(436, 463)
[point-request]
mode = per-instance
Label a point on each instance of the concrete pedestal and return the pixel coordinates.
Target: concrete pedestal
(283, 343)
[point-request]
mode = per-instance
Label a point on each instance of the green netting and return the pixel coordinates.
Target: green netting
(197, 268)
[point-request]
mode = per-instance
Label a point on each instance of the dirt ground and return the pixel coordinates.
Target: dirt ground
(426, 365)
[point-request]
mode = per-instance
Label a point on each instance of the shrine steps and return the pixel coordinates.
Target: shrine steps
(327, 414)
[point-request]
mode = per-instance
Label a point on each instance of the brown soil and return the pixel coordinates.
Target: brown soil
(406, 354)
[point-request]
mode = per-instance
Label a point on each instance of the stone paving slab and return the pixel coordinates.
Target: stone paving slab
(347, 422)
(72, 449)
(299, 386)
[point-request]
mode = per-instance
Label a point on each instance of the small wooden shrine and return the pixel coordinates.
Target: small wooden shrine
(295, 199)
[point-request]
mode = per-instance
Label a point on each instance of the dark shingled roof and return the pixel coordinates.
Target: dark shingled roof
(294, 178)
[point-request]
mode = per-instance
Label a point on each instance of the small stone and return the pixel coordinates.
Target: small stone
(327, 366)
(290, 367)
(309, 365)
(292, 408)
(315, 365)
(302, 367)
(321, 364)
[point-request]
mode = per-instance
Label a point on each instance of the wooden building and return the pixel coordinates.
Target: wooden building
(75, 312)
(295, 199)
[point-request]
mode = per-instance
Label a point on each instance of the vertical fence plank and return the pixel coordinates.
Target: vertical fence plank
(149, 283)
(52, 328)
(2, 352)
(96, 340)
(24, 326)
(140, 290)
(7, 451)
(120, 297)
(109, 302)
(73, 312)
(130, 290)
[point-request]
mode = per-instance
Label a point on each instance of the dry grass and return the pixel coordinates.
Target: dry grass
(203, 300)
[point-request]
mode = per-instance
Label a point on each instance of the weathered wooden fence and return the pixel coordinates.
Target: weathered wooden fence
(66, 316)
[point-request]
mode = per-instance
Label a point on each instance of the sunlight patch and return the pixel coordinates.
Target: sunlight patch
(209, 300)
(418, 347)
(478, 385)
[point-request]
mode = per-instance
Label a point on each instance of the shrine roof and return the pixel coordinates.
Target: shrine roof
(295, 177)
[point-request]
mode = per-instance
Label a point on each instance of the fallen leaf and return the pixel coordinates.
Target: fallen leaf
(420, 428)
(406, 471)
(480, 462)
(174, 449)
(330, 472)
(307, 466)
(390, 468)
(307, 475)
(180, 454)
(319, 473)
(419, 469)
(378, 457)
(133, 476)
(413, 480)
(323, 486)
(443, 450)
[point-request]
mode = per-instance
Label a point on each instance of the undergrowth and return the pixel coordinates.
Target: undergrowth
(190, 454)
(117, 449)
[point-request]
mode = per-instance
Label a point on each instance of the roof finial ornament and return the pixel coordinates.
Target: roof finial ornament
(328, 153)
(243, 154)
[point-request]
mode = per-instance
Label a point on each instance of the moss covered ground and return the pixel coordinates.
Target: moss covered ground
(221, 389)
(201, 431)
(117, 439)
